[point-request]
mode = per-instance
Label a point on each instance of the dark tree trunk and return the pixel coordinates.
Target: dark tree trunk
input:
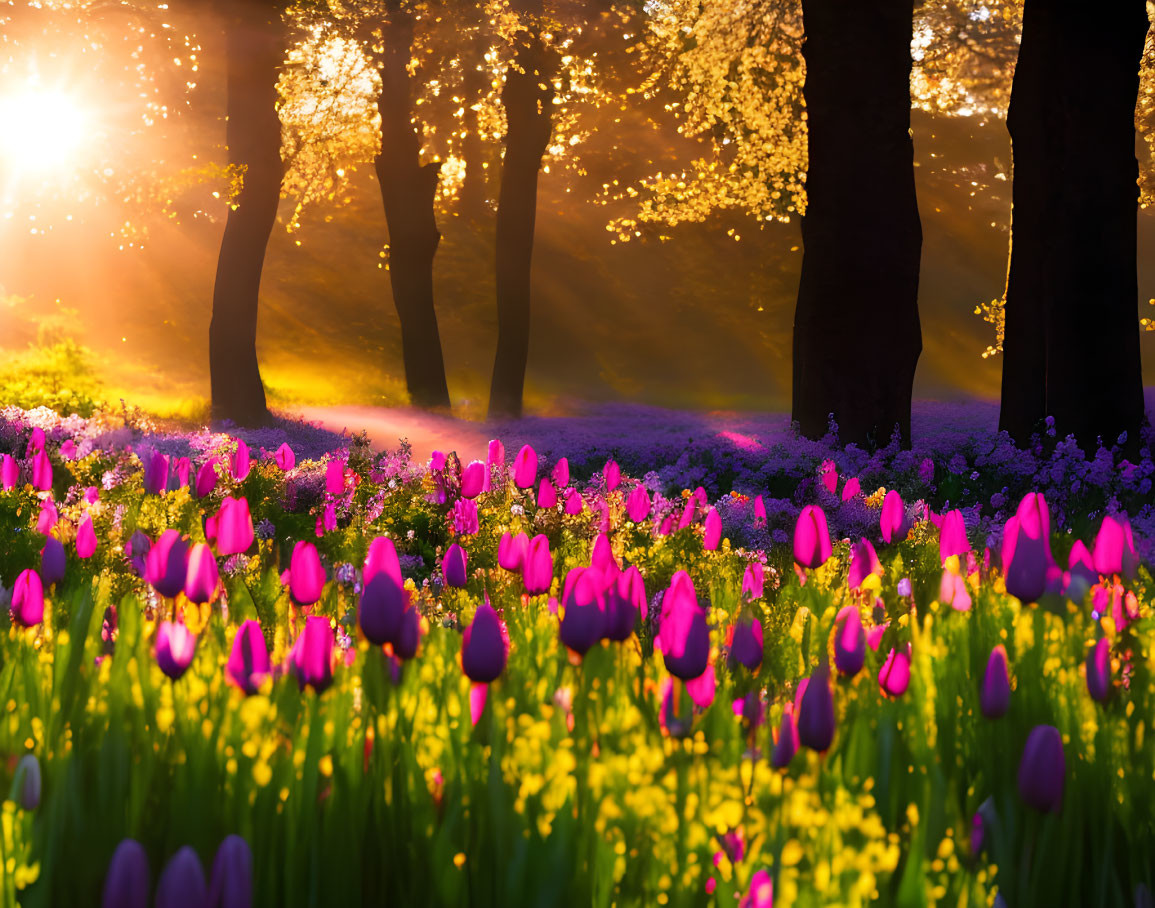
(255, 47)
(529, 125)
(857, 337)
(408, 189)
(1073, 343)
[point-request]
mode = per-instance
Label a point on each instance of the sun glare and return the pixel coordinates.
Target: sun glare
(44, 131)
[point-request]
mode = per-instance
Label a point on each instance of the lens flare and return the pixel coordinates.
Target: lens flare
(43, 131)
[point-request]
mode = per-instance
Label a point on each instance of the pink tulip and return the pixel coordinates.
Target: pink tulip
(166, 565)
(852, 488)
(511, 551)
(560, 473)
(1115, 547)
(753, 581)
(702, 689)
(546, 494)
(525, 468)
(473, 480)
(684, 637)
(383, 598)
(335, 477)
(248, 666)
(893, 518)
(234, 526)
(583, 610)
(573, 502)
(306, 575)
(1077, 582)
(713, 537)
(240, 462)
(863, 562)
(41, 472)
(47, 517)
(1027, 549)
(175, 647)
(206, 478)
(894, 677)
(811, 538)
(849, 641)
(638, 504)
(27, 606)
(311, 657)
(495, 465)
(202, 578)
(537, 571)
(612, 474)
(953, 536)
(829, 476)
(760, 517)
(761, 891)
(180, 470)
(625, 601)
(285, 459)
(602, 559)
(9, 472)
(952, 591)
(85, 538)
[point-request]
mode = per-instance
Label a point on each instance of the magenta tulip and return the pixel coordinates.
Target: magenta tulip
(583, 610)
(454, 566)
(828, 474)
(537, 569)
(511, 551)
(179, 473)
(894, 676)
(863, 562)
(525, 468)
(47, 518)
(816, 712)
(1077, 581)
(852, 488)
(52, 562)
(206, 479)
(1115, 547)
(155, 473)
(232, 878)
(812, 538)
(175, 647)
(753, 581)
(234, 526)
(27, 606)
(126, 885)
(746, 643)
(473, 480)
(560, 473)
(306, 575)
(248, 666)
(202, 577)
(625, 601)
(182, 883)
(995, 695)
(612, 474)
(760, 516)
(952, 591)
(1099, 670)
(285, 459)
(36, 442)
(1042, 769)
(953, 536)
(335, 477)
(484, 646)
(9, 472)
(1027, 549)
(713, 536)
(761, 891)
(573, 502)
(240, 462)
(312, 655)
(638, 504)
(683, 635)
(602, 559)
(546, 494)
(495, 465)
(41, 472)
(166, 565)
(383, 599)
(85, 538)
(849, 641)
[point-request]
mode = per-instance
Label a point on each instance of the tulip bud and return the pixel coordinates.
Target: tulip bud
(612, 474)
(761, 891)
(285, 459)
(383, 598)
(484, 646)
(182, 883)
(232, 878)
(953, 536)
(156, 473)
(206, 479)
(248, 664)
(306, 575)
(408, 637)
(234, 526)
(753, 581)
(9, 472)
(52, 562)
(26, 783)
(511, 551)
(85, 538)
(760, 516)
(454, 566)
(41, 472)
(683, 634)
(537, 569)
(1115, 547)
(852, 488)
(335, 477)
(863, 562)
(746, 643)
(893, 519)
(952, 591)
(240, 462)
(816, 712)
(136, 551)
(1027, 549)
(638, 504)
(202, 578)
(812, 538)
(546, 494)
(1042, 769)
(560, 473)
(786, 745)
(27, 606)
(525, 468)
(713, 537)
(849, 641)
(583, 610)
(175, 647)
(47, 518)
(828, 474)
(1077, 582)
(573, 502)
(312, 655)
(1099, 670)
(995, 695)
(894, 677)
(127, 883)
(625, 600)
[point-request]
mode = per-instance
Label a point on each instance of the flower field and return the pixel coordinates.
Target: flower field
(287, 671)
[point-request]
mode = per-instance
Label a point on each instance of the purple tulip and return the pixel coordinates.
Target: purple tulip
(484, 646)
(560, 473)
(155, 473)
(863, 562)
(612, 474)
(638, 504)
(1042, 769)
(1099, 670)
(1115, 547)
(312, 655)
(52, 562)
(248, 666)
(849, 641)
(546, 494)
(583, 610)
(240, 462)
(753, 581)
(625, 601)
(85, 538)
(454, 566)
(511, 551)
(27, 606)
(525, 468)
(126, 884)
(683, 634)
(285, 459)
(953, 536)
(9, 472)
(1077, 582)
(182, 883)
(306, 575)
(893, 519)
(713, 537)
(473, 480)
(179, 474)
(746, 643)
(894, 676)
(812, 538)
(166, 565)
(234, 526)
(232, 879)
(1027, 549)
(786, 745)
(206, 478)
(202, 578)
(383, 599)
(995, 695)
(537, 569)
(41, 472)
(408, 636)
(816, 712)
(136, 550)
(175, 647)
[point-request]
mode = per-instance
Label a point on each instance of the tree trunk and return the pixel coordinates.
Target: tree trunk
(529, 125)
(857, 337)
(255, 46)
(408, 189)
(1072, 281)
